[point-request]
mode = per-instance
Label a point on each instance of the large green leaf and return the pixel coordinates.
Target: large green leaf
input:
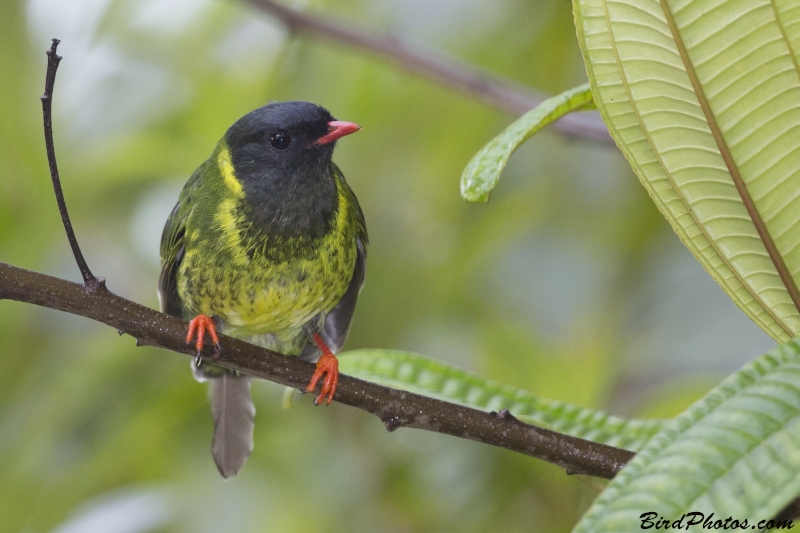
(735, 453)
(423, 375)
(703, 98)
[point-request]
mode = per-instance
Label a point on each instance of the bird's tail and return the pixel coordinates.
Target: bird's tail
(233, 412)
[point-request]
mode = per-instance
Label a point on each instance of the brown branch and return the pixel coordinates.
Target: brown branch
(394, 407)
(494, 90)
(53, 60)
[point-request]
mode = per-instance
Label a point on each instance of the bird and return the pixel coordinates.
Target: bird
(268, 244)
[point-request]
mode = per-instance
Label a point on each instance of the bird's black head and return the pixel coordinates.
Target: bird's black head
(281, 154)
(293, 140)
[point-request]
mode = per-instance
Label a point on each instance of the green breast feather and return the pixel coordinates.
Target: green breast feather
(263, 290)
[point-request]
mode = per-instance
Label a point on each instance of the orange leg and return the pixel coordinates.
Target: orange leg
(202, 324)
(327, 364)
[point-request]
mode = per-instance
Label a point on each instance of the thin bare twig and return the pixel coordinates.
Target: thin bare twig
(495, 90)
(53, 59)
(394, 407)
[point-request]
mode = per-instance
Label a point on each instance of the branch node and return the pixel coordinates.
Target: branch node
(392, 423)
(96, 285)
(504, 414)
(52, 51)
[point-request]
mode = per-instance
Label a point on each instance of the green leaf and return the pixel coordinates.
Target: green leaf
(735, 453)
(483, 171)
(423, 375)
(707, 109)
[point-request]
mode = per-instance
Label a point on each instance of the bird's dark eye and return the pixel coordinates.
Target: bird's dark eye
(280, 141)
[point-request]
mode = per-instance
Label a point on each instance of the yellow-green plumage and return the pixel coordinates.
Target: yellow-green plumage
(269, 242)
(227, 274)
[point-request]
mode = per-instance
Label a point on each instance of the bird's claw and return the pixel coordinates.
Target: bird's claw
(200, 325)
(327, 366)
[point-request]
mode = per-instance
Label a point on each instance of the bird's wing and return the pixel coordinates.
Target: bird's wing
(337, 323)
(171, 257)
(172, 248)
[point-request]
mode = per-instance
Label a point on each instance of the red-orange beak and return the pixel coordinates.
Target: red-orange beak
(336, 129)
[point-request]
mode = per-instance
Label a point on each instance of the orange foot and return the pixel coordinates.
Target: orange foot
(327, 364)
(201, 324)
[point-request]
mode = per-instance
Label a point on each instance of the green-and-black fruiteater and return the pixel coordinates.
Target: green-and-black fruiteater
(266, 244)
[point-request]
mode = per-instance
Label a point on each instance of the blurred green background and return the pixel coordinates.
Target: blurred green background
(569, 283)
